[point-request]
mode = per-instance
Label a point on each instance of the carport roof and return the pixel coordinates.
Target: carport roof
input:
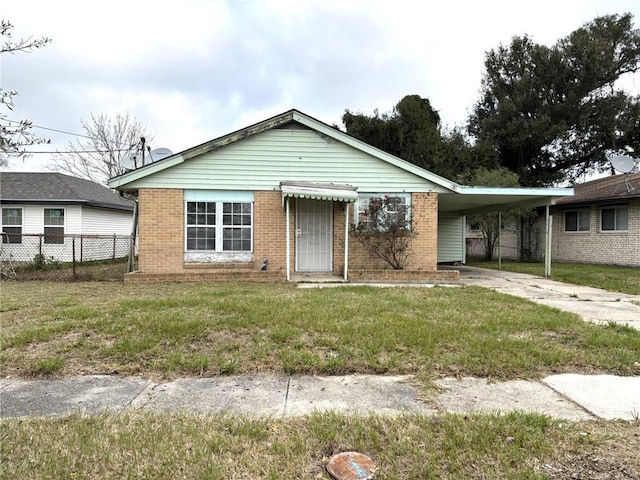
(476, 200)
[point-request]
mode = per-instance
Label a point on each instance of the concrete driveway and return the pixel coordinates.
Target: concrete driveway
(592, 304)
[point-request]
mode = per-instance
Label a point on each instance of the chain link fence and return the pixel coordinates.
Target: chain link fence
(66, 257)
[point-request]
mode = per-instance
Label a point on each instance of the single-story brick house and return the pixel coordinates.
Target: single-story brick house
(41, 212)
(600, 223)
(278, 199)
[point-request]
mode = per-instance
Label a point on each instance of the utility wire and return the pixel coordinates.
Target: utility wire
(68, 133)
(82, 151)
(51, 129)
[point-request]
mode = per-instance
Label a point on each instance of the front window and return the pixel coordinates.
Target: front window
(577, 220)
(614, 219)
(201, 225)
(11, 225)
(387, 211)
(219, 226)
(54, 225)
(236, 227)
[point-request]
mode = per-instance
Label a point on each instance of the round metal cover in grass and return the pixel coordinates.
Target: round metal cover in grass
(351, 466)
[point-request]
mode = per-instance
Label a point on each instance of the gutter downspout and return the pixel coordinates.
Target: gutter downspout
(134, 230)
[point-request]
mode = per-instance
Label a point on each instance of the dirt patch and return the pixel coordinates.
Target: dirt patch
(613, 456)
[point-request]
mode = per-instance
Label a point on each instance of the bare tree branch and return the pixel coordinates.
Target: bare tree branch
(98, 157)
(14, 136)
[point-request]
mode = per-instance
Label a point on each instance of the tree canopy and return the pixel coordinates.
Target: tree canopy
(15, 134)
(412, 131)
(552, 113)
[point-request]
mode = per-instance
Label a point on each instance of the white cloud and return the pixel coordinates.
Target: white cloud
(194, 70)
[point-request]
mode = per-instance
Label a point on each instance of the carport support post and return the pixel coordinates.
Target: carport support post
(286, 205)
(547, 244)
(499, 240)
(346, 240)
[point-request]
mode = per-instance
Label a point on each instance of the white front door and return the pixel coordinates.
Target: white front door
(314, 235)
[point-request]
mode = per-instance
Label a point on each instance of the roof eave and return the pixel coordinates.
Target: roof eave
(62, 201)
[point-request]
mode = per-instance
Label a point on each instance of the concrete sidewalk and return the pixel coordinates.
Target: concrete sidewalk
(571, 397)
(592, 304)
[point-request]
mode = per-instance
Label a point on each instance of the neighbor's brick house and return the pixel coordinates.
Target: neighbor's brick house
(600, 223)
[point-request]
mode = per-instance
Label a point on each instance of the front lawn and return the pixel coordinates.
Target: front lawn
(173, 330)
(608, 277)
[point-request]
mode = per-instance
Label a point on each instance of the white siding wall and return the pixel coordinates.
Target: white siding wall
(264, 160)
(77, 220)
(450, 237)
(100, 221)
(33, 218)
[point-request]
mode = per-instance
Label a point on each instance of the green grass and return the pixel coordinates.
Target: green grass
(173, 330)
(608, 277)
(146, 445)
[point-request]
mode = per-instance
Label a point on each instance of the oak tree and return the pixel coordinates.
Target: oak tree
(553, 113)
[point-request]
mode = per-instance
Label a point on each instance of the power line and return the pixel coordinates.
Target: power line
(52, 129)
(69, 133)
(81, 151)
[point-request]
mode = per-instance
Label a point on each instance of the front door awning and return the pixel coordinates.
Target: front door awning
(319, 191)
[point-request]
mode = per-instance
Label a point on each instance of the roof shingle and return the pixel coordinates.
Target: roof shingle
(48, 187)
(614, 187)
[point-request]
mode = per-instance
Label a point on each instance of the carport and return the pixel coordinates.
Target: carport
(454, 207)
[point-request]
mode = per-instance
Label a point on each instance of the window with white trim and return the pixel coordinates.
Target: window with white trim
(577, 220)
(54, 225)
(387, 208)
(219, 226)
(12, 225)
(614, 218)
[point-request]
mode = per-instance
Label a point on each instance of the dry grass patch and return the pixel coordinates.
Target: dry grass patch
(145, 445)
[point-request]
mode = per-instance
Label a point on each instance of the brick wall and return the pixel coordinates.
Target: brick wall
(161, 247)
(270, 230)
(161, 230)
(594, 246)
(424, 248)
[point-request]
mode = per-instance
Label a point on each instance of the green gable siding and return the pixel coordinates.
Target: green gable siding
(262, 161)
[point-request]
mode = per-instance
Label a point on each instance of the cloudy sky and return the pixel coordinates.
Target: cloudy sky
(192, 70)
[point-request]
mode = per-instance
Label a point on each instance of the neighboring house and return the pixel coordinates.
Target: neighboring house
(42, 212)
(600, 223)
(278, 200)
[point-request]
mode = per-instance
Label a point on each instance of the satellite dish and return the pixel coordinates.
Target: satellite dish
(623, 163)
(159, 154)
(129, 161)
